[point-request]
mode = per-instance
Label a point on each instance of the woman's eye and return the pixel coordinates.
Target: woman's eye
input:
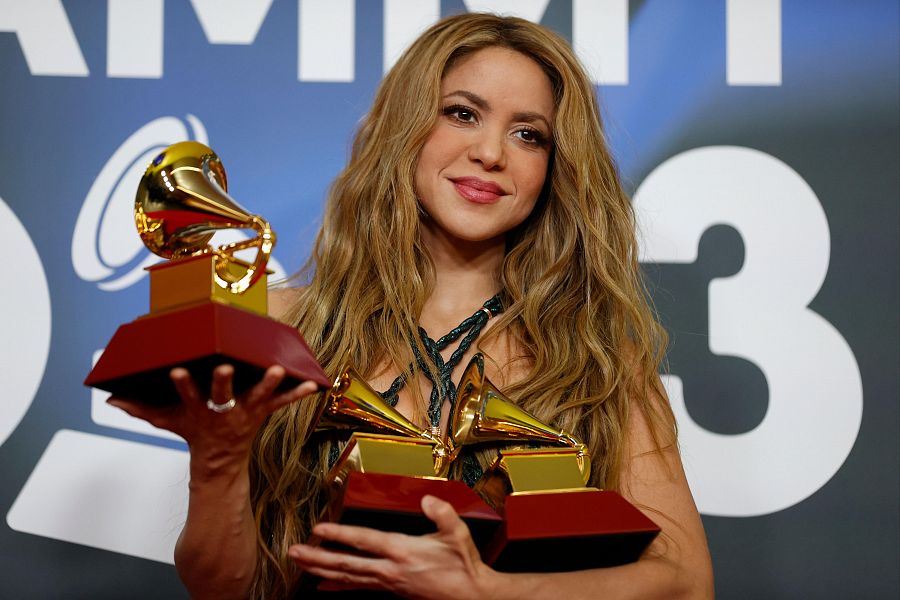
(460, 113)
(532, 136)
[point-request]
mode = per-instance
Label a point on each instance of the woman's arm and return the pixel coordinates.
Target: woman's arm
(216, 553)
(447, 565)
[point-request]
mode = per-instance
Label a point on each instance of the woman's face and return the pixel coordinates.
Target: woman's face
(482, 168)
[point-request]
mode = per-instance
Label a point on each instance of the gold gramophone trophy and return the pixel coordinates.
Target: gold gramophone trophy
(207, 307)
(552, 522)
(388, 464)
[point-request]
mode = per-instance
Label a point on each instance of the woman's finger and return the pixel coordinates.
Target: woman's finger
(155, 415)
(301, 391)
(185, 386)
(316, 556)
(270, 381)
(333, 559)
(450, 526)
(364, 539)
(135, 409)
(221, 390)
(442, 514)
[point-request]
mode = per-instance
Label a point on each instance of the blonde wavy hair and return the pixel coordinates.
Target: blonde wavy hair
(575, 304)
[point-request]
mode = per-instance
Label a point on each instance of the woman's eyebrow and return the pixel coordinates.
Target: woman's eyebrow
(475, 99)
(531, 117)
(483, 104)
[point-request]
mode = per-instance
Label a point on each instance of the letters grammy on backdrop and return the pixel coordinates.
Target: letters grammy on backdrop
(207, 307)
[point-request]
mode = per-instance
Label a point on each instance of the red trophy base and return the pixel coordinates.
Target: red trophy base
(569, 531)
(137, 360)
(393, 503)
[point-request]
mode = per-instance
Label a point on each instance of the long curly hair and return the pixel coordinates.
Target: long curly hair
(574, 299)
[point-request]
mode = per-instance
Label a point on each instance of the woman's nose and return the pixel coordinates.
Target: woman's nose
(488, 149)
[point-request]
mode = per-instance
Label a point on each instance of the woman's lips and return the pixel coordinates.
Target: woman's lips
(478, 190)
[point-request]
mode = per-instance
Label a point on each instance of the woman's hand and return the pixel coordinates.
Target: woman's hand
(216, 554)
(444, 564)
(205, 430)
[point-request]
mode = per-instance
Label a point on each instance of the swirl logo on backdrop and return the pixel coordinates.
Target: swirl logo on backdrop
(105, 248)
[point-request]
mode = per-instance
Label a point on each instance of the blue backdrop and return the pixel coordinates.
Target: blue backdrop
(759, 139)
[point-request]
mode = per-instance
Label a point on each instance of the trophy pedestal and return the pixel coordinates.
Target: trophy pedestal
(393, 503)
(137, 360)
(569, 531)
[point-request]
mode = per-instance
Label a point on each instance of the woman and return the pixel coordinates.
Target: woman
(479, 183)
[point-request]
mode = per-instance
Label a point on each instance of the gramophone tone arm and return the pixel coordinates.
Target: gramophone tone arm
(263, 233)
(265, 241)
(442, 458)
(583, 457)
(443, 454)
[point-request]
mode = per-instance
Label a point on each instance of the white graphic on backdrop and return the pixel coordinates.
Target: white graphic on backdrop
(135, 31)
(25, 323)
(759, 314)
(600, 39)
(45, 35)
(326, 44)
(326, 48)
(106, 493)
(404, 21)
(134, 39)
(532, 10)
(235, 22)
(753, 42)
(105, 240)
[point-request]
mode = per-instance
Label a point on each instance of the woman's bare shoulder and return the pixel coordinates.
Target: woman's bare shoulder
(282, 300)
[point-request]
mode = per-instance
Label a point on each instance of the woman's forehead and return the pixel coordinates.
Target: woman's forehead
(502, 74)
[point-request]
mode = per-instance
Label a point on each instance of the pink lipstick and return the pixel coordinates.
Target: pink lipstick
(478, 190)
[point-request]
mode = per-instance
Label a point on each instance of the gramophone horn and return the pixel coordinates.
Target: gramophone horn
(353, 404)
(182, 201)
(483, 414)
